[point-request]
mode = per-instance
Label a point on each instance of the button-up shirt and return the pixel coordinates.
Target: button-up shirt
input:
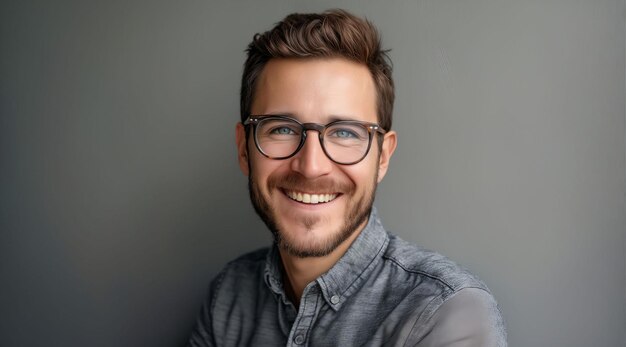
(382, 292)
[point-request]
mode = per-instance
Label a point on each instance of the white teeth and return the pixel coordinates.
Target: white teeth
(311, 198)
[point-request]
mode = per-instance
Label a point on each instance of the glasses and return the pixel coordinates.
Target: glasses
(344, 142)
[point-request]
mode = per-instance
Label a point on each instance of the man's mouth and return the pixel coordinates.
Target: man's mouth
(309, 198)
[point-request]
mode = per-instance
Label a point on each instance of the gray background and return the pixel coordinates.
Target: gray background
(120, 196)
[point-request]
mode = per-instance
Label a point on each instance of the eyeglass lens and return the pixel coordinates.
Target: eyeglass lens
(343, 142)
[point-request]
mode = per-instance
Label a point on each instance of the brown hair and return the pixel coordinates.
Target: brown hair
(334, 33)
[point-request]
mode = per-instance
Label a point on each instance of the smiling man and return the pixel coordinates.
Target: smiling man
(314, 140)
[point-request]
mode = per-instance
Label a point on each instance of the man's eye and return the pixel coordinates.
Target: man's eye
(282, 131)
(344, 134)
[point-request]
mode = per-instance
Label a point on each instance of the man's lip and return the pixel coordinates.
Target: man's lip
(308, 197)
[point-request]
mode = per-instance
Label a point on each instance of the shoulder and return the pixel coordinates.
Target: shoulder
(471, 315)
(231, 287)
(243, 272)
(245, 265)
(252, 258)
(236, 282)
(431, 265)
(460, 304)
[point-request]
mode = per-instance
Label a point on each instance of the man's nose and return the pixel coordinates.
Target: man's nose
(311, 161)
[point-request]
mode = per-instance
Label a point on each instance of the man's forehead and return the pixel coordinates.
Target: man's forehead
(275, 66)
(328, 88)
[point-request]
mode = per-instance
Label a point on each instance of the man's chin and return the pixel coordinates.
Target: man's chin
(309, 238)
(300, 249)
(310, 232)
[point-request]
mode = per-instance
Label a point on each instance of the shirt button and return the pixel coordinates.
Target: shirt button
(299, 339)
(334, 299)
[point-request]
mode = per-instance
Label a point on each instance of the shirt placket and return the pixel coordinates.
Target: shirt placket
(309, 307)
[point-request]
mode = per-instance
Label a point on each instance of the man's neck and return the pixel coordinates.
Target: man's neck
(299, 272)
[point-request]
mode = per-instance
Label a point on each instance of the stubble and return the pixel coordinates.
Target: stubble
(357, 214)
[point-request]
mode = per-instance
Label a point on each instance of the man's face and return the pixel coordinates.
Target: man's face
(315, 91)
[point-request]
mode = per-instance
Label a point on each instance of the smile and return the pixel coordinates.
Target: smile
(308, 198)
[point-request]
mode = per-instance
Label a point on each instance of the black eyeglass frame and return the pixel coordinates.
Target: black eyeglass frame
(371, 128)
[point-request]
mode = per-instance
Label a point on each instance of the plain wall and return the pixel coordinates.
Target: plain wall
(120, 194)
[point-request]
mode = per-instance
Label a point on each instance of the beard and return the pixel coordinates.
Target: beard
(359, 209)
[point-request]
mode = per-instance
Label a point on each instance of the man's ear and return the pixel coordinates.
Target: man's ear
(242, 148)
(389, 146)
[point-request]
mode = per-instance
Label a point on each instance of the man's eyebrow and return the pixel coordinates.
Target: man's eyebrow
(334, 118)
(331, 118)
(282, 114)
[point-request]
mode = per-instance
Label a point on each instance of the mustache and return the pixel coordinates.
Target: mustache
(295, 181)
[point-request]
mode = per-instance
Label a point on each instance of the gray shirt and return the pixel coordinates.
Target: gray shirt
(382, 292)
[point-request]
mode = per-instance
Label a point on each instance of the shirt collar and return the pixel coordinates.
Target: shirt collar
(273, 273)
(348, 274)
(356, 265)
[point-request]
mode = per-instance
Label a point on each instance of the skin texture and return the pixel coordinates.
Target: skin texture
(312, 238)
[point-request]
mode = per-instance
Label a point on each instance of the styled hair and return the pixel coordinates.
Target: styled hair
(331, 34)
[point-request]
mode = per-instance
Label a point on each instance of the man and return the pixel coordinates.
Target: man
(315, 139)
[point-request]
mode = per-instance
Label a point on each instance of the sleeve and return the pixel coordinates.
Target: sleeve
(202, 335)
(470, 318)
